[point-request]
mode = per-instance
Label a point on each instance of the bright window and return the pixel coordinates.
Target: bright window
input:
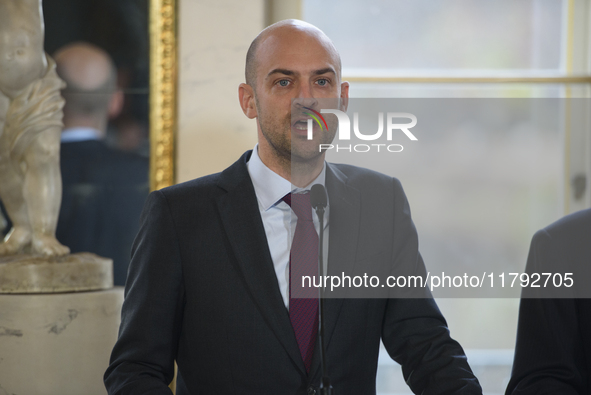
(477, 194)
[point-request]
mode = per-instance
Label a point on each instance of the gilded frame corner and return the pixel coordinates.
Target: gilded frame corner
(163, 92)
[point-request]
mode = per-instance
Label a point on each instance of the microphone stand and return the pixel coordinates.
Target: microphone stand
(325, 386)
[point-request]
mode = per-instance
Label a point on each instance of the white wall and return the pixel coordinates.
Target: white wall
(214, 36)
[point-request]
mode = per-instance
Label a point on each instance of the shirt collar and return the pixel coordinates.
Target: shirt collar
(76, 134)
(269, 186)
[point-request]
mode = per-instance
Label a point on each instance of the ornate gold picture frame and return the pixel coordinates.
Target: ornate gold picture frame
(163, 92)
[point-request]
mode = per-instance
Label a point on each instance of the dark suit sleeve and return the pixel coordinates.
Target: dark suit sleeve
(549, 351)
(414, 332)
(143, 358)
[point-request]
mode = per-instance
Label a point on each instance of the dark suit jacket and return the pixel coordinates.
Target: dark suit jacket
(202, 290)
(104, 191)
(553, 349)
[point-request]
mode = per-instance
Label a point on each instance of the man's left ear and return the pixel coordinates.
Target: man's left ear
(344, 96)
(116, 103)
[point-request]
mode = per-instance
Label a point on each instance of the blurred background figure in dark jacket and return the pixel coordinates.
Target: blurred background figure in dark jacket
(103, 188)
(553, 348)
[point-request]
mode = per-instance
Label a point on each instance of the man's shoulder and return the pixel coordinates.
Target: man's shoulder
(572, 224)
(212, 184)
(566, 239)
(192, 187)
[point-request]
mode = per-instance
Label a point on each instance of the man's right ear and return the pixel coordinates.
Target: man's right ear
(247, 102)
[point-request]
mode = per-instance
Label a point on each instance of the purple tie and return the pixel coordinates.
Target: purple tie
(303, 308)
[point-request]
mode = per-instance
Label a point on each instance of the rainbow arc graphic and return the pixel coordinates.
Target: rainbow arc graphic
(315, 115)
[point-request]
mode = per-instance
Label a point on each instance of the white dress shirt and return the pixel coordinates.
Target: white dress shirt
(278, 218)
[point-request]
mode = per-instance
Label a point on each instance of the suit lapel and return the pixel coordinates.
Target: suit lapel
(242, 223)
(345, 209)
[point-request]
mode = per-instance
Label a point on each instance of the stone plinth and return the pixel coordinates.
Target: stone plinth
(57, 343)
(35, 274)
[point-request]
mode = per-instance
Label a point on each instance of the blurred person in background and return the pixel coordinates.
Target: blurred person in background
(553, 348)
(103, 188)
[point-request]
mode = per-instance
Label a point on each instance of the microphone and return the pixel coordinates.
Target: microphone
(319, 200)
(318, 196)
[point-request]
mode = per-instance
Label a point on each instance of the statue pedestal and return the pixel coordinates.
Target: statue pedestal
(70, 273)
(57, 343)
(54, 340)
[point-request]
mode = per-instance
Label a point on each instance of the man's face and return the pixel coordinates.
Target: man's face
(294, 65)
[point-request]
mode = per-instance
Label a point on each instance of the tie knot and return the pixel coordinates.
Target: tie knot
(300, 204)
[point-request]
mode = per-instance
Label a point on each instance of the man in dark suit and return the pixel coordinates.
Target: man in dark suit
(103, 188)
(209, 279)
(553, 349)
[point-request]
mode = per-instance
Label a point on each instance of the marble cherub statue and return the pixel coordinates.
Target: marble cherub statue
(30, 128)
